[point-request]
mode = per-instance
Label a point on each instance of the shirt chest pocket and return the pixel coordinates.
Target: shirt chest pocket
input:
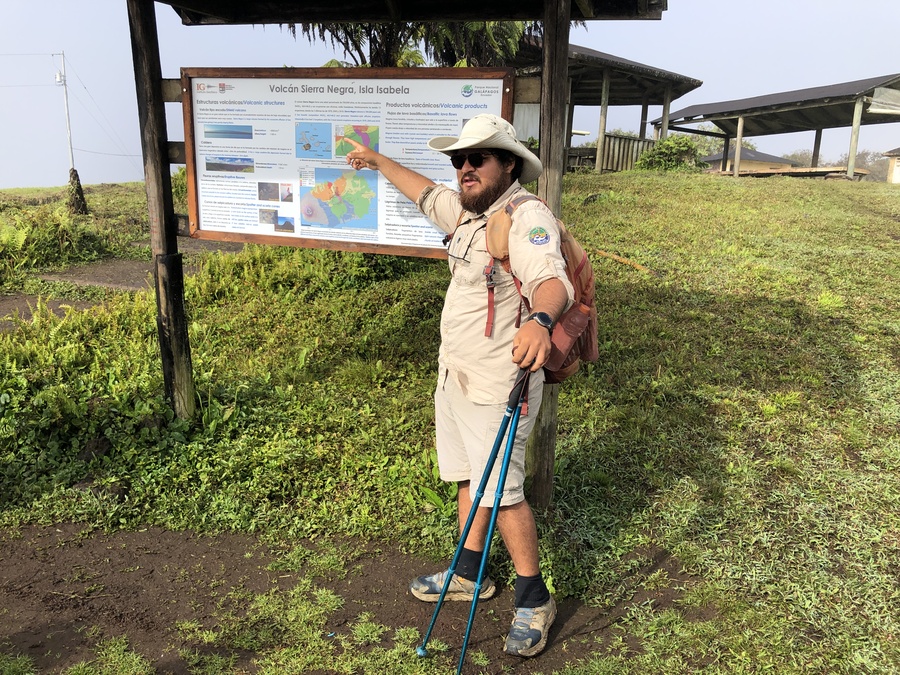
(468, 256)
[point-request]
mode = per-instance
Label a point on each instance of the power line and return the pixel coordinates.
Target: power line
(109, 154)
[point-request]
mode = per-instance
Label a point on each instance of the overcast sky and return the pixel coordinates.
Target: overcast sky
(738, 48)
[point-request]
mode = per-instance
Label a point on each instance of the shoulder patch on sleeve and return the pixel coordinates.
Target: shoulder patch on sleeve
(539, 236)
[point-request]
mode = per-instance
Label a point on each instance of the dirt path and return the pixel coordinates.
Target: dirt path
(116, 274)
(64, 588)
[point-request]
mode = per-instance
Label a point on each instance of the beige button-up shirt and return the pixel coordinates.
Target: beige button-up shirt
(482, 366)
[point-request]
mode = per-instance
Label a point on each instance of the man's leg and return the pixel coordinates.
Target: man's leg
(516, 525)
(535, 607)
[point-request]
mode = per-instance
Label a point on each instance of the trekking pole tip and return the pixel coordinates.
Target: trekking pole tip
(421, 651)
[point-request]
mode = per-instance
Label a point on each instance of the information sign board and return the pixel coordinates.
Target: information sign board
(266, 151)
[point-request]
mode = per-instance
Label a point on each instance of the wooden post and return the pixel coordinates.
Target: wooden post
(645, 107)
(604, 112)
(667, 104)
(738, 141)
(817, 146)
(541, 449)
(167, 265)
(854, 136)
(570, 117)
(726, 146)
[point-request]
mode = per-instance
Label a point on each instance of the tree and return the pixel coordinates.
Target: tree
(381, 45)
(481, 44)
(448, 43)
(874, 162)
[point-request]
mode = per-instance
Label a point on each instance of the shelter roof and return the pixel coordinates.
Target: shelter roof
(197, 12)
(748, 154)
(825, 107)
(893, 153)
(631, 83)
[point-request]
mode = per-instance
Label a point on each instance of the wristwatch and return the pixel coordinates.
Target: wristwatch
(541, 319)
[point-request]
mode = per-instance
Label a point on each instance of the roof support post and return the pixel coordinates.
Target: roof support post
(667, 104)
(726, 146)
(854, 136)
(540, 451)
(168, 271)
(645, 107)
(604, 113)
(738, 142)
(570, 118)
(817, 147)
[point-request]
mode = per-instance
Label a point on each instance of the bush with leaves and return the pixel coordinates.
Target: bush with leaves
(675, 153)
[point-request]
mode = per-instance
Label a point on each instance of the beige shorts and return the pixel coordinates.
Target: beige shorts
(466, 433)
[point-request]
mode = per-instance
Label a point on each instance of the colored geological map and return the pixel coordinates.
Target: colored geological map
(340, 199)
(361, 133)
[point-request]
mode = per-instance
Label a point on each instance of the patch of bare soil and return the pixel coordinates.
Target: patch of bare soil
(63, 588)
(118, 274)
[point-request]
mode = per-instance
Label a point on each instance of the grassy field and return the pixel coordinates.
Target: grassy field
(742, 419)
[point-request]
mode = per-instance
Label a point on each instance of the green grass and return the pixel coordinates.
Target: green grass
(741, 425)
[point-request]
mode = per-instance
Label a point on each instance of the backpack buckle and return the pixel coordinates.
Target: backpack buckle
(489, 275)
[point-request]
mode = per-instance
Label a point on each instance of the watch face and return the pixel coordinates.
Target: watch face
(543, 319)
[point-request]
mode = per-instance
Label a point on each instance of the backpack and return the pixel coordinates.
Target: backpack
(574, 338)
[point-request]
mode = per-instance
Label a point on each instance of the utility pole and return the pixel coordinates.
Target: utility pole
(75, 201)
(61, 80)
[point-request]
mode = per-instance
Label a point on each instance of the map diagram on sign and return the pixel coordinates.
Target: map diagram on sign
(343, 199)
(312, 140)
(367, 134)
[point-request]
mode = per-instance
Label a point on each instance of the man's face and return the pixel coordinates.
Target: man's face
(481, 186)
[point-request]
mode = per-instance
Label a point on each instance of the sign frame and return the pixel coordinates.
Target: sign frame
(375, 79)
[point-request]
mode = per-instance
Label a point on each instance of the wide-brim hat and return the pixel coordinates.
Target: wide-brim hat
(490, 132)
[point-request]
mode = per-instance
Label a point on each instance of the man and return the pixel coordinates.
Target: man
(484, 343)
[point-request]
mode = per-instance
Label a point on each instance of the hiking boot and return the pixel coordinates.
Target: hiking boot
(529, 630)
(428, 588)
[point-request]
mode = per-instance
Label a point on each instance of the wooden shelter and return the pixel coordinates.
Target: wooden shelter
(604, 80)
(875, 100)
(159, 152)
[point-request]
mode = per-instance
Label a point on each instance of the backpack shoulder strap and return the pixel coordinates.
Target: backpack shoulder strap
(498, 227)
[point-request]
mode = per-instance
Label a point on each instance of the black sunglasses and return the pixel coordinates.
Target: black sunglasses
(475, 159)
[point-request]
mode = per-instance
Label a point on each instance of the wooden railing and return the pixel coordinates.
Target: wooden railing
(619, 153)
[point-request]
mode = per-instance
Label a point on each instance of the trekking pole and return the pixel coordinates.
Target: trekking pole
(510, 418)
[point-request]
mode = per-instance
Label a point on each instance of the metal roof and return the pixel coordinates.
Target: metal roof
(631, 83)
(751, 155)
(893, 153)
(825, 107)
(198, 12)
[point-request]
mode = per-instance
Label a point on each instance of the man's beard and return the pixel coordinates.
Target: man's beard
(481, 202)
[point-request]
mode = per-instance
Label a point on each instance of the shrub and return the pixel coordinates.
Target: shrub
(179, 190)
(675, 153)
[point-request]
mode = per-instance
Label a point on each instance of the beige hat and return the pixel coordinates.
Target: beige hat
(490, 132)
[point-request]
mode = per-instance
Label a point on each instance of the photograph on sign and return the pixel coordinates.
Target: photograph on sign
(266, 151)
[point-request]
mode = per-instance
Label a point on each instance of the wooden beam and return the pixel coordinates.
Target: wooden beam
(854, 136)
(738, 142)
(168, 269)
(645, 108)
(817, 146)
(604, 113)
(667, 104)
(586, 7)
(699, 132)
(171, 90)
(527, 90)
(540, 450)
